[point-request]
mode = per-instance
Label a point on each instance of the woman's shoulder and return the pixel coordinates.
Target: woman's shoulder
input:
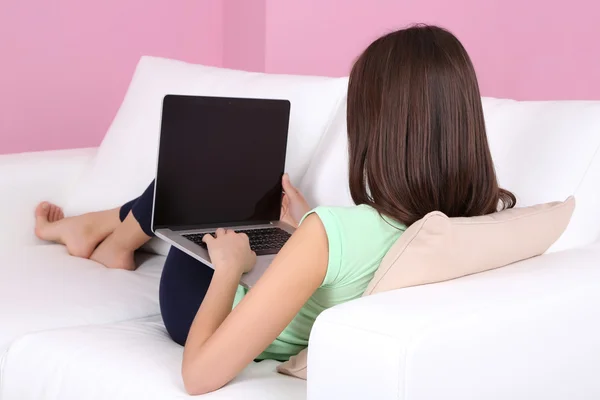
(358, 238)
(362, 217)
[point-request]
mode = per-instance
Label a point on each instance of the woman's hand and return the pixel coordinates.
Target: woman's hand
(230, 250)
(294, 205)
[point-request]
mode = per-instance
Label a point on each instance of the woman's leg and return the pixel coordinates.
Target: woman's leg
(116, 251)
(80, 234)
(183, 285)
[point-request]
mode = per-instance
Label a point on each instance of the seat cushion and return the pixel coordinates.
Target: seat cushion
(124, 361)
(43, 287)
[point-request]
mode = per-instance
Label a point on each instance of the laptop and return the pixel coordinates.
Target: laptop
(220, 165)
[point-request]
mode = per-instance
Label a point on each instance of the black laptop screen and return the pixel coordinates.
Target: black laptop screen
(220, 161)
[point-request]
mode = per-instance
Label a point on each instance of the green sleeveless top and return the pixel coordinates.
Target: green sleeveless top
(358, 239)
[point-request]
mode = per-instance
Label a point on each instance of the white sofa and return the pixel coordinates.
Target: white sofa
(71, 329)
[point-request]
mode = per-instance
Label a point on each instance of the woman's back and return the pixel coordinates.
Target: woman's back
(358, 240)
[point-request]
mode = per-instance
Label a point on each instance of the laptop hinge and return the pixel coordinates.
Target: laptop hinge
(215, 226)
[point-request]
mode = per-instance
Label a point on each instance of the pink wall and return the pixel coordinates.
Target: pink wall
(535, 49)
(244, 23)
(66, 64)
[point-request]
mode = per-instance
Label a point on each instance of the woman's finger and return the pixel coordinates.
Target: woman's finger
(207, 238)
(285, 203)
(220, 232)
(288, 188)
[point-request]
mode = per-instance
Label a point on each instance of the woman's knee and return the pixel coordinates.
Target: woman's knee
(141, 209)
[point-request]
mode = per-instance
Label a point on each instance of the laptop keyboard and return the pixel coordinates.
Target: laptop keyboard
(262, 241)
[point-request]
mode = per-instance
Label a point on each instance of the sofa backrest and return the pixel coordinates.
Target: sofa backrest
(543, 151)
(546, 151)
(126, 160)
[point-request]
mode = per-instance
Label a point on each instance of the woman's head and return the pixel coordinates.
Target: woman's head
(416, 132)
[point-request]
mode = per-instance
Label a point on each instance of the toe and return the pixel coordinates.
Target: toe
(43, 209)
(54, 213)
(51, 213)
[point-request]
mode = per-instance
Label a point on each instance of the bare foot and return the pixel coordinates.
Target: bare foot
(110, 254)
(79, 234)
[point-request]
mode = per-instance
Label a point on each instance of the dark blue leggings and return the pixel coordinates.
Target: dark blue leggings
(184, 281)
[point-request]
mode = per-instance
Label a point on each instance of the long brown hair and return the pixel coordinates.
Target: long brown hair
(416, 132)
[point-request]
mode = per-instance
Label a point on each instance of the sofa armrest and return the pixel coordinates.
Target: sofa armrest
(28, 178)
(526, 331)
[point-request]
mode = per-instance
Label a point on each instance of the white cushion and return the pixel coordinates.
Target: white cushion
(547, 151)
(326, 180)
(126, 160)
(42, 287)
(132, 360)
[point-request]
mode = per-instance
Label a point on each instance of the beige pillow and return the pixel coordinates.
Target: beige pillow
(437, 248)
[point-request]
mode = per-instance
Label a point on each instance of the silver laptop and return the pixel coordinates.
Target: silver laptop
(220, 164)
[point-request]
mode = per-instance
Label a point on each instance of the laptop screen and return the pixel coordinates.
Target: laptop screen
(220, 161)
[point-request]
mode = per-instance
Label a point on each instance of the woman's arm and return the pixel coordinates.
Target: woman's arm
(222, 343)
(231, 255)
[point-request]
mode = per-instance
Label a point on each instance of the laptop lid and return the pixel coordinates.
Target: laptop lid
(220, 162)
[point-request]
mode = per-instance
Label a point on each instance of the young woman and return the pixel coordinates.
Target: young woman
(417, 143)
